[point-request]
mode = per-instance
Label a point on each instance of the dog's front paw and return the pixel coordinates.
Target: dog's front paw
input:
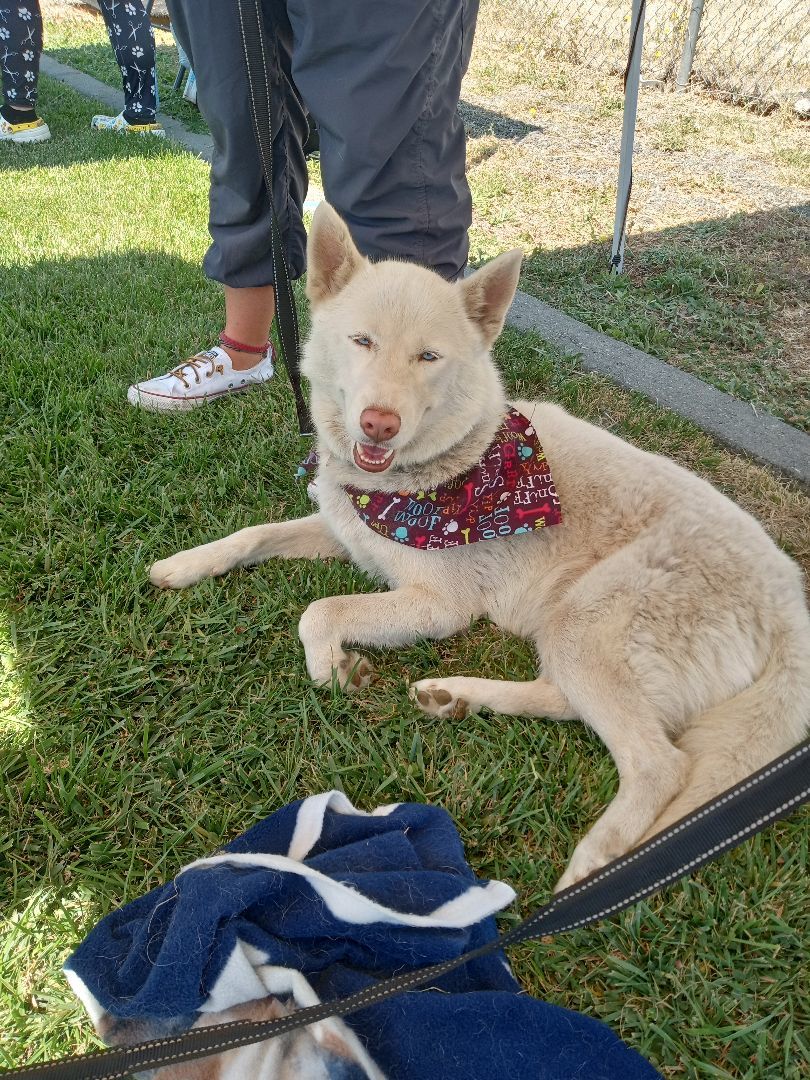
(585, 860)
(439, 697)
(354, 672)
(179, 571)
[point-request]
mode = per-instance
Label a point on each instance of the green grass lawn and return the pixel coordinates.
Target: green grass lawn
(141, 729)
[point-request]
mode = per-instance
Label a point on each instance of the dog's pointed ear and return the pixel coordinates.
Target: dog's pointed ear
(332, 258)
(489, 291)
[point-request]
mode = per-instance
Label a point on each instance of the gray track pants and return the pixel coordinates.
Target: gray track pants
(382, 79)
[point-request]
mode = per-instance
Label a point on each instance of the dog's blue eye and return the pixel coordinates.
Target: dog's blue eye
(429, 356)
(363, 340)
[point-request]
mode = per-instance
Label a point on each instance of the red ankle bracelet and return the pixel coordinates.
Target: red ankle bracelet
(238, 346)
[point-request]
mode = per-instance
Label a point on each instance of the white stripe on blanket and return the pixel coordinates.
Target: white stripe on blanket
(309, 823)
(347, 904)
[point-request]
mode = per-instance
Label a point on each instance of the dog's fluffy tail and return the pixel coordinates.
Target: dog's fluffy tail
(729, 742)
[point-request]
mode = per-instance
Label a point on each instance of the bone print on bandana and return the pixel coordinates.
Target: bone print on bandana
(509, 491)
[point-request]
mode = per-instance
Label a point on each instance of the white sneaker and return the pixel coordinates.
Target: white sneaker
(36, 131)
(202, 378)
(100, 122)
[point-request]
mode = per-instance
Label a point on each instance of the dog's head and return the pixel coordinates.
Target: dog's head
(398, 359)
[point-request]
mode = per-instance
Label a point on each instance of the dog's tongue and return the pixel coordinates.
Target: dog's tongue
(374, 453)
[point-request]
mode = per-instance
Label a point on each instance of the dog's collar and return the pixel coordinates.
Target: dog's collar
(509, 491)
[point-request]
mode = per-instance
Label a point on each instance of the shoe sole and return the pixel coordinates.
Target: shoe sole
(158, 134)
(101, 127)
(33, 136)
(153, 403)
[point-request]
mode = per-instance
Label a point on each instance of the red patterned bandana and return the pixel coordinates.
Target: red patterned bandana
(509, 491)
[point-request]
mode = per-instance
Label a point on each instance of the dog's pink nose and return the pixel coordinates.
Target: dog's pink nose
(379, 424)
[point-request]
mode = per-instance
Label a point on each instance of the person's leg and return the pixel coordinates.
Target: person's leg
(240, 254)
(248, 317)
(133, 42)
(20, 50)
(382, 81)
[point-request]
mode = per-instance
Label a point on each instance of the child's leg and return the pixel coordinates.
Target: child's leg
(20, 50)
(133, 42)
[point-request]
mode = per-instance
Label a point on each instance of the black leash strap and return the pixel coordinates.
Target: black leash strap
(773, 793)
(254, 42)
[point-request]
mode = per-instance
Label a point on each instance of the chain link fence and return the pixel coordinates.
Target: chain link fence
(748, 51)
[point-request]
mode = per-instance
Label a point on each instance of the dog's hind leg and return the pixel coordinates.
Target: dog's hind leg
(304, 538)
(651, 772)
(599, 671)
(458, 696)
(399, 617)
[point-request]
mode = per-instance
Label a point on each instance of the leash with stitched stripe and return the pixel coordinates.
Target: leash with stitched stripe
(742, 811)
(254, 40)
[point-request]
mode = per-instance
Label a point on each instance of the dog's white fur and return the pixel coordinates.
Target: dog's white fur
(663, 615)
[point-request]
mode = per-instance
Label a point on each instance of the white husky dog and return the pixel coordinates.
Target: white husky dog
(663, 615)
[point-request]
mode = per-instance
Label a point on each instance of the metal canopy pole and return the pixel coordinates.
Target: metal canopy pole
(692, 35)
(632, 78)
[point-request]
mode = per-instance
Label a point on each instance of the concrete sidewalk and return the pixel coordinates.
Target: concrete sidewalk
(733, 423)
(113, 100)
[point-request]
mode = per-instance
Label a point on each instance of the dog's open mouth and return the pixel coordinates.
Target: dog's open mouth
(371, 458)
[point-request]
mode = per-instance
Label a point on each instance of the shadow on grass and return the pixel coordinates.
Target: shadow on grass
(479, 121)
(72, 142)
(725, 299)
(124, 704)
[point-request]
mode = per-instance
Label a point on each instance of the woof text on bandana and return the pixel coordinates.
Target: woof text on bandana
(509, 491)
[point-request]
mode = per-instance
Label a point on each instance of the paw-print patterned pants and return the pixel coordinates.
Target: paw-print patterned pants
(133, 43)
(20, 50)
(132, 40)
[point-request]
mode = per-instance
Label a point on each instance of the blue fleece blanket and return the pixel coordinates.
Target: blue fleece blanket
(317, 901)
